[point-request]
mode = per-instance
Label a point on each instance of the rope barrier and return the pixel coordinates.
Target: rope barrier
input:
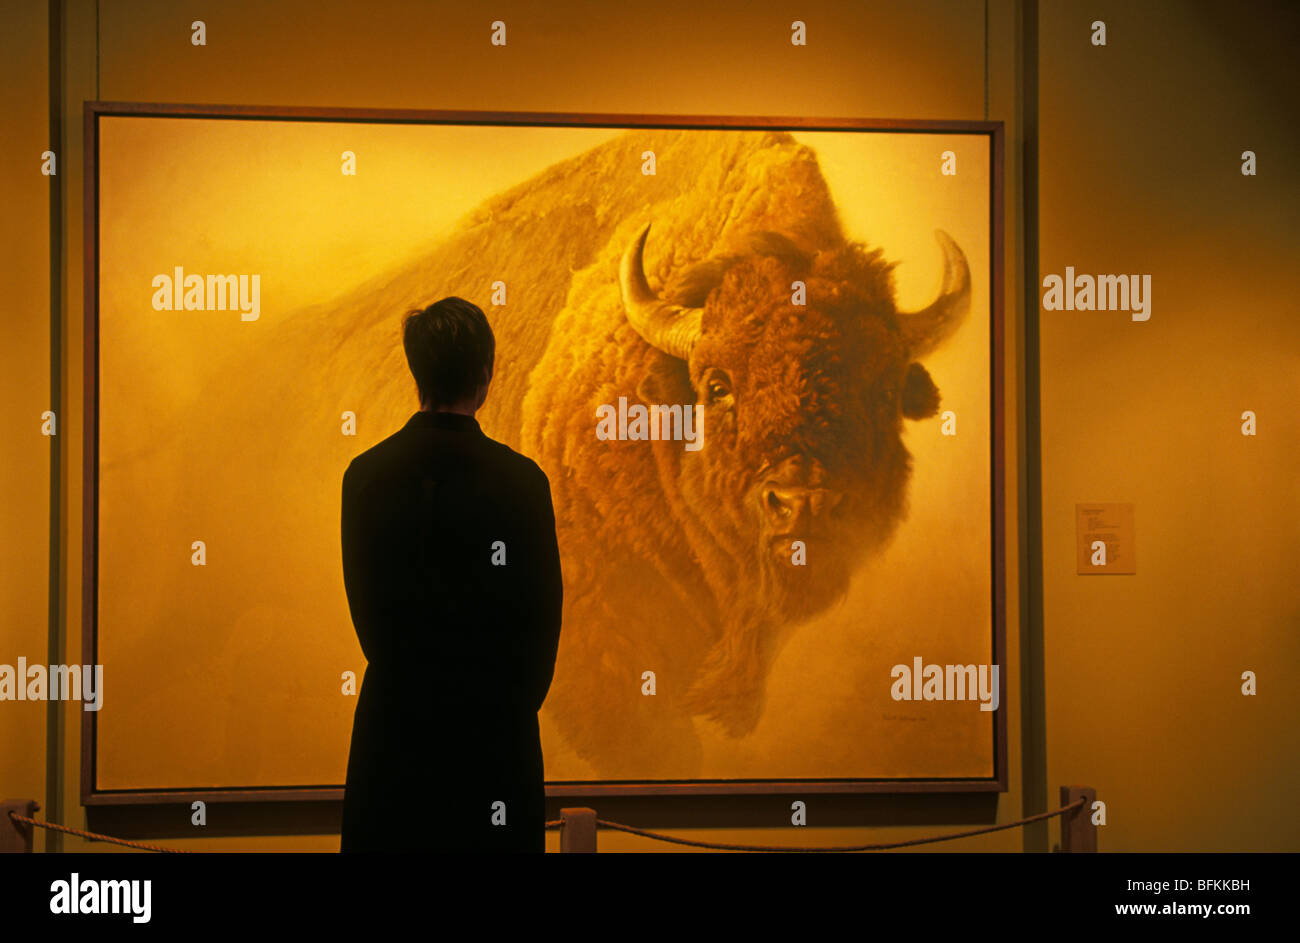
(619, 826)
(95, 836)
(645, 833)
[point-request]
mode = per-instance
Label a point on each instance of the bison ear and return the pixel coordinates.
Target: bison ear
(920, 395)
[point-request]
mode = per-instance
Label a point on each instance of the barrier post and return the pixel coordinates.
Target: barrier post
(578, 836)
(1078, 834)
(16, 837)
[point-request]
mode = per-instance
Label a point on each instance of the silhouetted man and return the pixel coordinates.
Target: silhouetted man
(452, 575)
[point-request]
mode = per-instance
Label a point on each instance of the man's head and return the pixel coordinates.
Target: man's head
(450, 350)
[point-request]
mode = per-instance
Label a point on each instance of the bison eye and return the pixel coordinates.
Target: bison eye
(717, 385)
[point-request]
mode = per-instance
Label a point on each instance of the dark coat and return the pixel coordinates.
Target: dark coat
(461, 651)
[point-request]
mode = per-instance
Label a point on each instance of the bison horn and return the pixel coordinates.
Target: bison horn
(674, 329)
(925, 330)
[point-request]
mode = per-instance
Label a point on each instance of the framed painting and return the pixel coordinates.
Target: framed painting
(759, 360)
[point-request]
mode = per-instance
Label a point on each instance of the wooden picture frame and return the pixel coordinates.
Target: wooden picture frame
(990, 132)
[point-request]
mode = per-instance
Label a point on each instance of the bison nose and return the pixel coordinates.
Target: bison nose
(785, 506)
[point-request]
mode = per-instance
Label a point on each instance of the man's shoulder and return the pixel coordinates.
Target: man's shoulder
(517, 460)
(376, 459)
(395, 453)
(519, 467)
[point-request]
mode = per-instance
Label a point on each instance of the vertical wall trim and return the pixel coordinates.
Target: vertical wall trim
(1033, 691)
(986, 60)
(54, 644)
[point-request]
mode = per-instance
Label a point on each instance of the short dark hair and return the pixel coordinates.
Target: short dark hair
(449, 348)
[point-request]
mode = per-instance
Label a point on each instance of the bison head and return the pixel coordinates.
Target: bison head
(803, 411)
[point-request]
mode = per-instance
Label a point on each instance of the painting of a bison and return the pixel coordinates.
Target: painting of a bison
(804, 409)
(683, 563)
(731, 609)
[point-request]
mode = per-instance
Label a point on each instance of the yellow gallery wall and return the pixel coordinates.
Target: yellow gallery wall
(919, 60)
(1141, 147)
(24, 384)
